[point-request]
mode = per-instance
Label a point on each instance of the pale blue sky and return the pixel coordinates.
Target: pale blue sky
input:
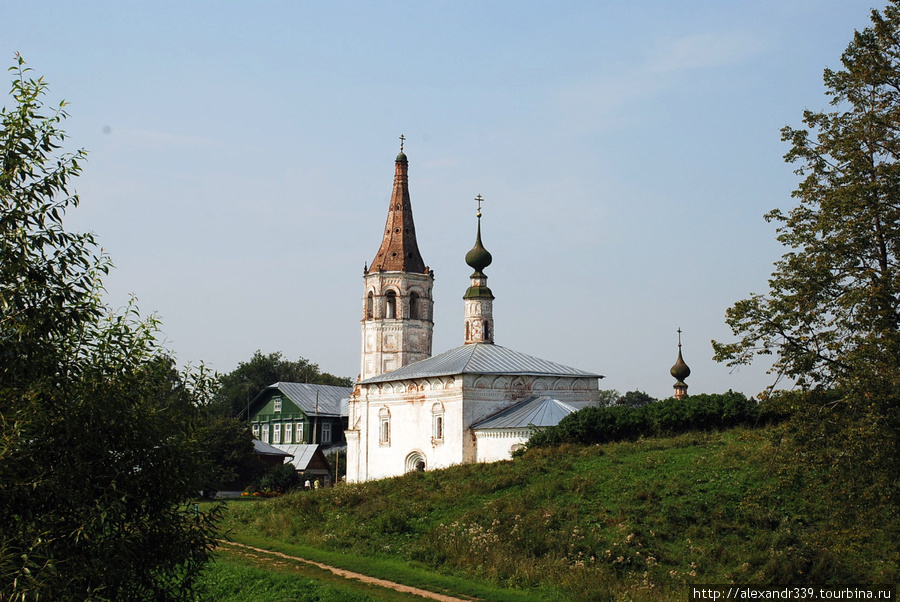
(241, 162)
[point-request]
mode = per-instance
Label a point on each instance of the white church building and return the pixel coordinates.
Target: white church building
(478, 402)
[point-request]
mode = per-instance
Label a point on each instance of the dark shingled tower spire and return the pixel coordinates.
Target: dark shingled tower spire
(399, 251)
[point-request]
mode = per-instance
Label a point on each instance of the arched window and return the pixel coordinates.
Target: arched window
(390, 305)
(468, 332)
(487, 331)
(414, 306)
(384, 426)
(370, 305)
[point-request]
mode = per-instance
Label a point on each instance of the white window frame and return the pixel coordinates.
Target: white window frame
(255, 429)
(438, 427)
(326, 432)
(265, 433)
(277, 401)
(276, 433)
(288, 431)
(384, 427)
(299, 434)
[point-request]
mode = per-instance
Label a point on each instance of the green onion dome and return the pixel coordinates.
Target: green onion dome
(680, 370)
(479, 257)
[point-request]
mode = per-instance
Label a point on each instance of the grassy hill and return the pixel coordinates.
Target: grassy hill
(621, 520)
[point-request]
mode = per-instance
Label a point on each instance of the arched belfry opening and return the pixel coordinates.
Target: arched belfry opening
(390, 305)
(414, 306)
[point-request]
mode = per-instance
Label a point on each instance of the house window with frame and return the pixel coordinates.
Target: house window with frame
(326, 432)
(276, 433)
(265, 433)
(288, 431)
(299, 434)
(255, 429)
(277, 401)
(437, 423)
(384, 426)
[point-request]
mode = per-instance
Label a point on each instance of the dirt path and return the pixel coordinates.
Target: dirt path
(351, 575)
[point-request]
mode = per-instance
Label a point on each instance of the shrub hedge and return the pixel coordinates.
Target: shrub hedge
(663, 418)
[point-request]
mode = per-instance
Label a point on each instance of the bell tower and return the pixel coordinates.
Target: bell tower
(397, 303)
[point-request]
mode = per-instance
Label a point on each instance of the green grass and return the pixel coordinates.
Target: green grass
(625, 520)
(230, 580)
(387, 568)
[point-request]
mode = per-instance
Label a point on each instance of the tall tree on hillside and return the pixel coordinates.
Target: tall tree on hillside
(238, 388)
(97, 457)
(832, 314)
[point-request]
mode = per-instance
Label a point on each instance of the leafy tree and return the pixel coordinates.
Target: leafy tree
(832, 314)
(280, 478)
(97, 455)
(238, 388)
(227, 448)
(635, 399)
(337, 459)
(608, 397)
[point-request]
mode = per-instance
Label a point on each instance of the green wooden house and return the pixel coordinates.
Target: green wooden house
(298, 413)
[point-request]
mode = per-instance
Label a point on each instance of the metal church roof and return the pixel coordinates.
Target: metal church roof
(479, 358)
(332, 401)
(533, 411)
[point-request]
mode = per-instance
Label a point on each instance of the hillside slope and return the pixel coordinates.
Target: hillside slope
(638, 520)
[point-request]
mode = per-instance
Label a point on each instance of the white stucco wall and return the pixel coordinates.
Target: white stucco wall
(466, 400)
(498, 444)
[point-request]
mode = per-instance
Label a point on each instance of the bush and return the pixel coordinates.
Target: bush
(279, 479)
(594, 425)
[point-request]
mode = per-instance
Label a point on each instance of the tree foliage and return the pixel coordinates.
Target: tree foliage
(635, 399)
(238, 388)
(227, 447)
(97, 454)
(832, 313)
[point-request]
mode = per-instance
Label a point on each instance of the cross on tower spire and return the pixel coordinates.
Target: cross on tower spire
(480, 200)
(402, 140)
